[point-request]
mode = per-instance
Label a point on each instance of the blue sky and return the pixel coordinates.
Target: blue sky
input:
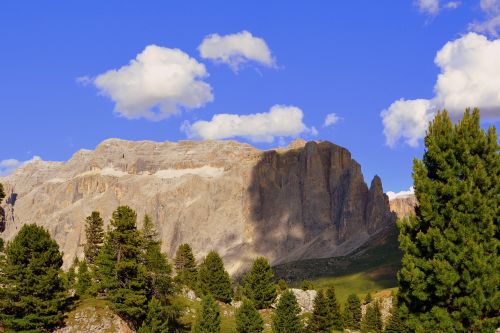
(351, 58)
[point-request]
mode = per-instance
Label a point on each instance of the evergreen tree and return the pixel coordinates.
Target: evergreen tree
(156, 320)
(259, 284)
(335, 319)
(352, 312)
(156, 262)
(213, 278)
(394, 322)
(84, 279)
(320, 322)
(119, 271)
(449, 277)
(248, 319)
(95, 236)
(286, 317)
(368, 299)
(32, 291)
(71, 274)
(372, 321)
(185, 266)
(208, 319)
(282, 285)
(2, 193)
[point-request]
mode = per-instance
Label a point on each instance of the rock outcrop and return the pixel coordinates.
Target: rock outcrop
(403, 206)
(305, 201)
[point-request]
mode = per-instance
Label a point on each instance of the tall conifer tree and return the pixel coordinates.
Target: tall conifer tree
(372, 321)
(95, 236)
(319, 322)
(185, 266)
(208, 319)
(335, 319)
(32, 291)
(352, 312)
(259, 285)
(449, 278)
(213, 278)
(248, 319)
(286, 318)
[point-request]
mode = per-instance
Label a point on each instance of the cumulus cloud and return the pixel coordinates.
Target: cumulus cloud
(279, 121)
(469, 77)
(236, 49)
(156, 84)
(401, 194)
(491, 25)
(331, 119)
(8, 166)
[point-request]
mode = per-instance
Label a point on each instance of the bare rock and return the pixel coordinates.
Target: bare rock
(404, 206)
(305, 201)
(305, 299)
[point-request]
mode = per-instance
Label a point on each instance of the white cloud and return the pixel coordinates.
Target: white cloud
(8, 166)
(236, 49)
(280, 121)
(428, 6)
(470, 77)
(331, 119)
(156, 84)
(402, 194)
(491, 25)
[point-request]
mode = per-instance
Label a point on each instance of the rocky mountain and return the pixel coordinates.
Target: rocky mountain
(308, 200)
(403, 206)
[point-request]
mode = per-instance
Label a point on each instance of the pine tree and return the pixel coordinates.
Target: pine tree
(71, 274)
(368, 299)
(335, 319)
(248, 319)
(259, 284)
(449, 277)
(319, 322)
(156, 262)
(32, 291)
(84, 279)
(286, 317)
(352, 312)
(185, 266)
(95, 236)
(394, 322)
(213, 278)
(208, 319)
(119, 271)
(372, 321)
(156, 320)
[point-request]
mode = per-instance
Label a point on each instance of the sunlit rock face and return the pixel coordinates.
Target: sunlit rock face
(308, 200)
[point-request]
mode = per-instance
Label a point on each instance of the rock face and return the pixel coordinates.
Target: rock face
(403, 206)
(305, 201)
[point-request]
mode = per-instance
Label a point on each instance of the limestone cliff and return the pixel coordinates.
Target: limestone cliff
(305, 201)
(403, 206)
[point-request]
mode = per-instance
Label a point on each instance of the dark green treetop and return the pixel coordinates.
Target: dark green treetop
(208, 319)
(450, 271)
(95, 236)
(259, 285)
(185, 266)
(248, 319)
(213, 278)
(286, 318)
(372, 321)
(352, 312)
(335, 319)
(32, 292)
(319, 322)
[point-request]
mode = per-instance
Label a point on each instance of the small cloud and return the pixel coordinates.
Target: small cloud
(452, 5)
(236, 49)
(401, 194)
(314, 131)
(279, 121)
(159, 82)
(10, 165)
(430, 7)
(84, 80)
(331, 119)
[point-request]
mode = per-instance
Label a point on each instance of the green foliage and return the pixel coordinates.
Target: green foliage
(156, 320)
(394, 322)
(352, 312)
(70, 276)
(156, 263)
(372, 321)
(450, 272)
(259, 284)
(306, 285)
(213, 278)
(282, 285)
(185, 266)
(208, 319)
(248, 319)
(335, 320)
(368, 299)
(84, 279)
(32, 291)
(119, 271)
(95, 236)
(286, 317)
(319, 322)
(2, 193)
